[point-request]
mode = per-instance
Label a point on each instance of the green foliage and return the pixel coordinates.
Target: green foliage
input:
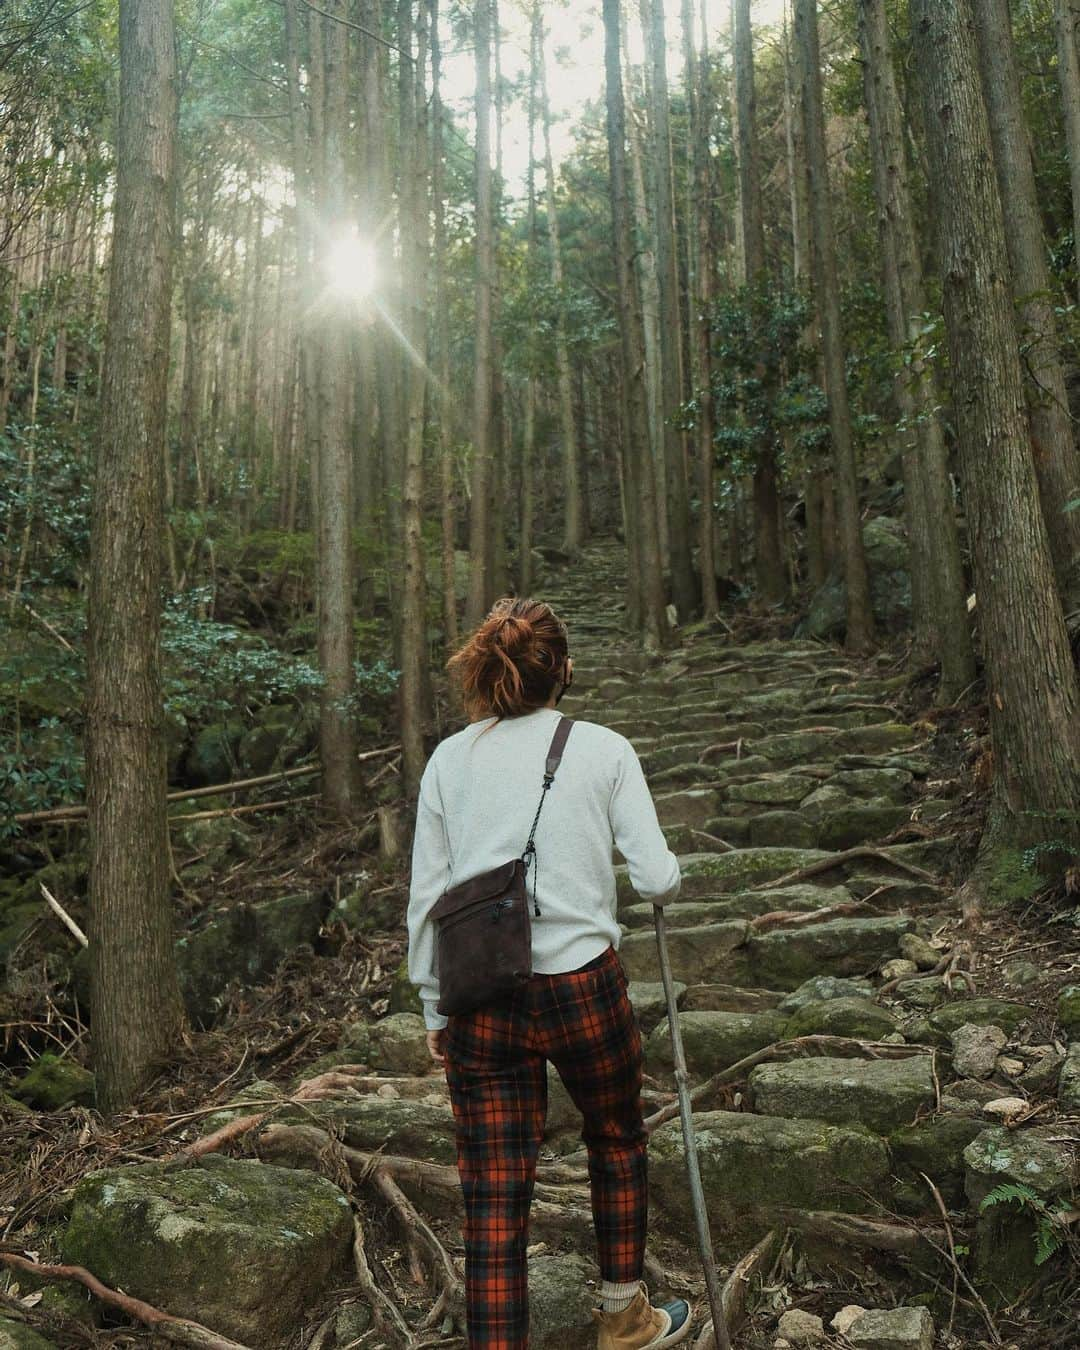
(762, 381)
(1050, 1233)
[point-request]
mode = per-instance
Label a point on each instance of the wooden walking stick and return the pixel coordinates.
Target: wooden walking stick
(697, 1194)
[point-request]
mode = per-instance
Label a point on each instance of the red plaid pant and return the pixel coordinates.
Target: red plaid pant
(497, 1074)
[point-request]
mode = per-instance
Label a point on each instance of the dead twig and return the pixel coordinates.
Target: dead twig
(736, 1286)
(178, 1330)
(958, 1273)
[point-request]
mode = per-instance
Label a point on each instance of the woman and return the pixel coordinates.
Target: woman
(477, 798)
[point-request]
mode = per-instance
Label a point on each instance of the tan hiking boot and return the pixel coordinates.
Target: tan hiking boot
(642, 1326)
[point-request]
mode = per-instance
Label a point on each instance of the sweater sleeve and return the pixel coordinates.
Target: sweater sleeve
(430, 876)
(654, 869)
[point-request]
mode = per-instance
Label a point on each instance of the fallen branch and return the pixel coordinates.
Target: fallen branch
(78, 812)
(249, 810)
(64, 917)
(958, 1272)
(736, 1286)
(178, 1330)
(860, 854)
(853, 1230)
(713, 839)
(843, 1047)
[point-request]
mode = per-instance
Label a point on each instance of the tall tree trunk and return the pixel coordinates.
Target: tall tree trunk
(768, 549)
(134, 989)
(1031, 684)
(683, 588)
(860, 621)
(1053, 445)
(1067, 29)
(653, 613)
(942, 620)
(573, 524)
(334, 516)
(446, 406)
(480, 571)
(415, 213)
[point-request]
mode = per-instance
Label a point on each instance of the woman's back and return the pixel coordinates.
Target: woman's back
(477, 800)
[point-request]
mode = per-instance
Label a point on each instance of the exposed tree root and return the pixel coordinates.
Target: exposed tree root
(733, 1295)
(794, 918)
(178, 1330)
(860, 854)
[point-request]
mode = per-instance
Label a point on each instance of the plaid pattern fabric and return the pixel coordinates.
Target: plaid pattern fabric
(496, 1070)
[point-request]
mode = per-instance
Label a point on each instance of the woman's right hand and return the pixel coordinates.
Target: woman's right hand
(436, 1044)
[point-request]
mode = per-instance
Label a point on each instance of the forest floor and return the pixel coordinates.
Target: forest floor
(825, 814)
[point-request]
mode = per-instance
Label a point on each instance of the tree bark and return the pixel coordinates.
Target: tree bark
(942, 623)
(1053, 445)
(683, 588)
(653, 612)
(860, 622)
(134, 989)
(702, 263)
(480, 562)
(334, 516)
(1031, 683)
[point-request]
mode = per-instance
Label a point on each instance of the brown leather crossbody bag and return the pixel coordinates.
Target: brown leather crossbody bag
(484, 924)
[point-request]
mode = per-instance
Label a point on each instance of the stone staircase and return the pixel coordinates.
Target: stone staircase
(778, 770)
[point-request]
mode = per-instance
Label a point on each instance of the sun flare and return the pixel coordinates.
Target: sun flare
(350, 266)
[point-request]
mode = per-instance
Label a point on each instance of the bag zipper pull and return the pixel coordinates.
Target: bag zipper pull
(536, 907)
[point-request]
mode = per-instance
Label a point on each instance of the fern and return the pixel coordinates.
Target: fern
(1009, 1191)
(1050, 1236)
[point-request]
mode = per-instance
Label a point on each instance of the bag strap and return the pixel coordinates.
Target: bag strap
(551, 766)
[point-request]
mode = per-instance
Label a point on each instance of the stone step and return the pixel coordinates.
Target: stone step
(739, 905)
(730, 952)
(880, 1094)
(713, 1040)
(754, 1168)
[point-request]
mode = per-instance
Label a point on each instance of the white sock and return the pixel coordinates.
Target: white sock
(616, 1297)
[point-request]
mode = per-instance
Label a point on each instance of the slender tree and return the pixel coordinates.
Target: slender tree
(1057, 462)
(134, 989)
(573, 519)
(640, 493)
(768, 552)
(939, 594)
(860, 622)
(1067, 30)
(480, 560)
(1033, 696)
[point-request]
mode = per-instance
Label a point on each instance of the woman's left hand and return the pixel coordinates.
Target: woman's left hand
(436, 1044)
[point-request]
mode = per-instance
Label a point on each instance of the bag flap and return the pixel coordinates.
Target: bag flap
(486, 886)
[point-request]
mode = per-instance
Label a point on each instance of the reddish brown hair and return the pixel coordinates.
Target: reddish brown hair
(513, 662)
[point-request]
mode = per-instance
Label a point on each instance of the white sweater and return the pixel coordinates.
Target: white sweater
(478, 796)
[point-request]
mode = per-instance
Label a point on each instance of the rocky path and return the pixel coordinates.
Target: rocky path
(778, 771)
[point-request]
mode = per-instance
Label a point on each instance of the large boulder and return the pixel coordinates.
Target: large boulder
(783, 958)
(243, 1247)
(859, 1017)
(755, 1167)
(886, 551)
(244, 943)
(699, 955)
(560, 1301)
(881, 1094)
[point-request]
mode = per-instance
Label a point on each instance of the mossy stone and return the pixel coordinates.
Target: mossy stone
(244, 1247)
(53, 1083)
(858, 823)
(819, 988)
(398, 1044)
(785, 957)
(19, 1336)
(782, 829)
(1068, 1010)
(409, 1127)
(782, 790)
(980, 1012)
(404, 995)
(878, 1094)
(936, 1147)
(212, 756)
(755, 1167)
(699, 955)
(858, 1017)
(714, 1040)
